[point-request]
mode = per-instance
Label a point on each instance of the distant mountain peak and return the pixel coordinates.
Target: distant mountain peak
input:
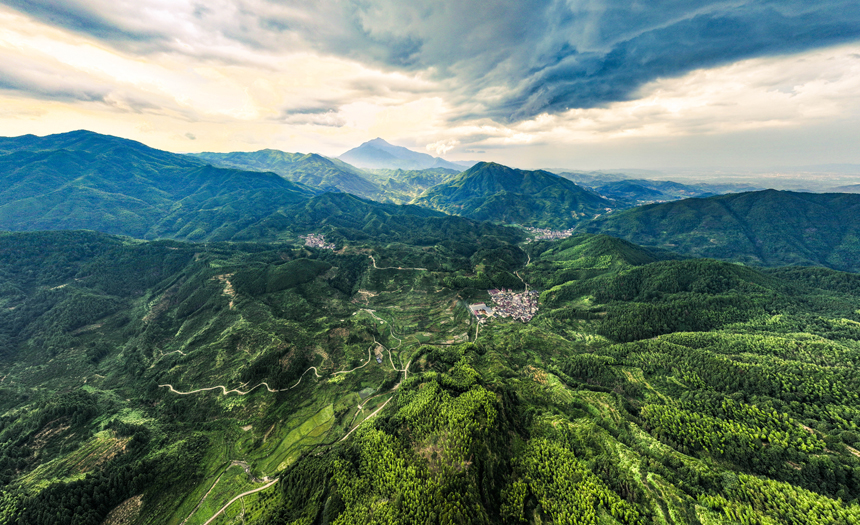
(381, 154)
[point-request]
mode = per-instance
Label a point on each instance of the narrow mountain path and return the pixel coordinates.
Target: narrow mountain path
(242, 495)
(362, 366)
(203, 498)
(392, 267)
(224, 390)
(390, 359)
(517, 273)
(372, 314)
(368, 417)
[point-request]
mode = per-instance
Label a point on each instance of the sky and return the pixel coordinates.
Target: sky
(578, 84)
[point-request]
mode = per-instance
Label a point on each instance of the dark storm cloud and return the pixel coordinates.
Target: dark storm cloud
(581, 79)
(504, 59)
(86, 17)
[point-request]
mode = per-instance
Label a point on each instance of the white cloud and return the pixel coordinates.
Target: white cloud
(441, 147)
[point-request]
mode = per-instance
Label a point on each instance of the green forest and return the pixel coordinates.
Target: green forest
(155, 382)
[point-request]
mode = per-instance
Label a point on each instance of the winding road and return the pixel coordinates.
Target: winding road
(242, 495)
(236, 390)
(362, 366)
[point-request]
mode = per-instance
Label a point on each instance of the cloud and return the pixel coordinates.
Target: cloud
(442, 147)
(509, 61)
(43, 81)
(463, 77)
(110, 20)
(326, 118)
(190, 136)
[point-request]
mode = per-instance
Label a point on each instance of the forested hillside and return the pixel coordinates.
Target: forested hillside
(312, 170)
(767, 228)
(159, 381)
(491, 192)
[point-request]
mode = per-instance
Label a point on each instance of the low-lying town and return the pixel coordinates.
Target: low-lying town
(522, 306)
(543, 233)
(315, 240)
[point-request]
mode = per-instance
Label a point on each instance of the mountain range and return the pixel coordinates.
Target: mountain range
(83, 180)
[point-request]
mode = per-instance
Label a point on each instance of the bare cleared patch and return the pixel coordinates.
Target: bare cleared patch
(338, 333)
(364, 296)
(229, 291)
(536, 374)
(104, 452)
(286, 360)
(87, 328)
(126, 512)
(162, 305)
(41, 439)
(434, 450)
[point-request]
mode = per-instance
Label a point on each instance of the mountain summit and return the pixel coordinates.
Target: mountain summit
(492, 192)
(379, 154)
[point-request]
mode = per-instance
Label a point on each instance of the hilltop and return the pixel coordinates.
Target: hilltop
(492, 192)
(82, 180)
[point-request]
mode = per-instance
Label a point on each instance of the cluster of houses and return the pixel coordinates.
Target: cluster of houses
(521, 306)
(315, 240)
(543, 233)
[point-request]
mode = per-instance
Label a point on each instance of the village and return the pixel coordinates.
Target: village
(521, 306)
(315, 240)
(544, 234)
